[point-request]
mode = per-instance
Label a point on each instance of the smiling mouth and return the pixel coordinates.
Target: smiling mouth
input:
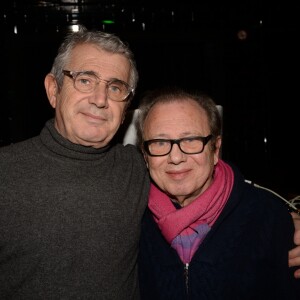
(177, 174)
(95, 117)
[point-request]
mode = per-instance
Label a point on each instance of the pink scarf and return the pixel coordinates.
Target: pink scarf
(186, 228)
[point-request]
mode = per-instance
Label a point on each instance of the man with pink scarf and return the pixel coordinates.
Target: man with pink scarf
(207, 233)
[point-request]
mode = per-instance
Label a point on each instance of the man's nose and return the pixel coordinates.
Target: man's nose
(99, 96)
(176, 155)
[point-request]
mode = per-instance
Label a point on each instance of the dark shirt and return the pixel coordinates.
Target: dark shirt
(70, 219)
(243, 257)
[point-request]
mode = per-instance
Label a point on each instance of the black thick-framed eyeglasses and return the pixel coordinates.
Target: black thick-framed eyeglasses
(87, 81)
(187, 145)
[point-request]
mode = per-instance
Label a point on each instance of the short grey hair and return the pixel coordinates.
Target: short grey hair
(176, 94)
(103, 40)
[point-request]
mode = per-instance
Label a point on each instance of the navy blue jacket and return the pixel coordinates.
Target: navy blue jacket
(244, 256)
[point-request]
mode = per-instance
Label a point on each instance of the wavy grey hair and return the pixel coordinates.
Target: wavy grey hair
(103, 40)
(175, 94)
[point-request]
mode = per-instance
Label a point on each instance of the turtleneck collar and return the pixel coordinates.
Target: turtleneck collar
(56, 143)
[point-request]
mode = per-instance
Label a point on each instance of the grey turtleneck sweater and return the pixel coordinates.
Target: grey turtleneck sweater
(70, 219)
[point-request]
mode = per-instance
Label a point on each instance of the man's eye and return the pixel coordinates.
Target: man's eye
(117, 87)
(161, 144)
(84, 80)
(114, 88)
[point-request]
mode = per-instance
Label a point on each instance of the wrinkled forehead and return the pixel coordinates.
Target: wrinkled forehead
(180, 117)
(92, 57)
(176, 108)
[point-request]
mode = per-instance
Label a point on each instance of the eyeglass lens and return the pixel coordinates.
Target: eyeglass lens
(186, 145)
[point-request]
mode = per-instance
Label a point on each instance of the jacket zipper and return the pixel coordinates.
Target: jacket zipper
(186, 276)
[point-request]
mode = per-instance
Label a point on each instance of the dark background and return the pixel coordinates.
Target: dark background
(190, 44)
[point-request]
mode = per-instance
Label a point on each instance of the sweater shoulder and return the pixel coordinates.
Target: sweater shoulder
(264, 194)
(18, 150)
(129, 152)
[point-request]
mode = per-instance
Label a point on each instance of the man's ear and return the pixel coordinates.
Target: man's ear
(51, 89)
(217, 152)
(218, 143)
(145, 158)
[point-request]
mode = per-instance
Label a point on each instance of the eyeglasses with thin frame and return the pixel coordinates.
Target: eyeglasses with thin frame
(87, 81)
(187, 145)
